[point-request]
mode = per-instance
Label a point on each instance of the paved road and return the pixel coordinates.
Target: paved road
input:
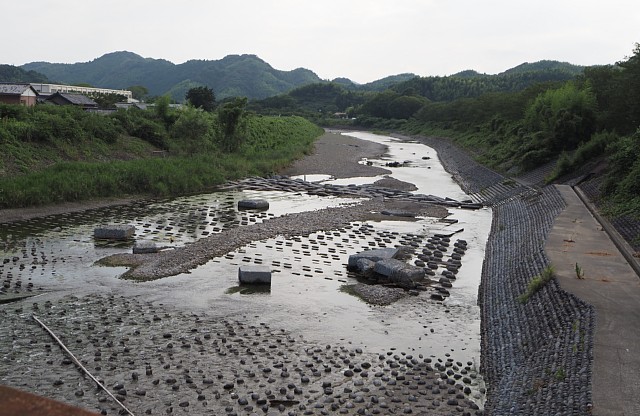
(613, 288)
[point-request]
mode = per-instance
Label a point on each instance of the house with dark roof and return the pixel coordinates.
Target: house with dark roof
(18, 93)
(72, 99)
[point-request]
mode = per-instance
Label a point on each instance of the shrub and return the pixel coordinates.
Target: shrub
(150, 131)
(104, 128)
(192, 132)
(17, 112)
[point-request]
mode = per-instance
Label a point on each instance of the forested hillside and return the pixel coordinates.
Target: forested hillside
(234, 75)
(470, 84)
(401, 96)
(10, 73)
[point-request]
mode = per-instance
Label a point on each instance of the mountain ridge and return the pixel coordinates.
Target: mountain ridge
(233, 75)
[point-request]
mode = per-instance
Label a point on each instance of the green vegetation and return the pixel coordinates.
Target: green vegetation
(232, 76)
(390, 108)
(560, 374)
(201, 97)
(10, 73)
(622, 181)
(51, 154)
(514, 122)
(579, 272)
(537, 283)
(230, 120)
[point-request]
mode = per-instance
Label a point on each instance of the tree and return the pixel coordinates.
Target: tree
(379, 104)
(163, 110)
(202, 97)
(566, 116)
(629, 87)
(108, 100)
(138, 91)
(230, 119)
(192, 132)
(404, 107)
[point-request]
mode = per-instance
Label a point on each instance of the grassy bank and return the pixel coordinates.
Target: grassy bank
(144, 154)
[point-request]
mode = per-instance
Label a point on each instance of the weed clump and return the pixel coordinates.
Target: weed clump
(537, 283)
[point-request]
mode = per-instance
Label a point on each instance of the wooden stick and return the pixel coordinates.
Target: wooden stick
(75, 360)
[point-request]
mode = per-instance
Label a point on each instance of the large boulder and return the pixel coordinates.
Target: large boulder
(398, 272)
(371, 255)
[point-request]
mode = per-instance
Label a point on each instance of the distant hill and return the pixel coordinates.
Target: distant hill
(544, 66)
(234, 75)
(342, 94)
(10, 73)
(469, 83)
(378, 85)
(469, 73)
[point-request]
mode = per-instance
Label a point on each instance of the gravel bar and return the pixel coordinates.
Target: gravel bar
(183, 259)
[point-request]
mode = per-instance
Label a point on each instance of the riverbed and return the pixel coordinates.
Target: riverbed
(307, 299)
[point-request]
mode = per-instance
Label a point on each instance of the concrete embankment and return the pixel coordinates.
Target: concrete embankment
(536, 355)
(589, 265)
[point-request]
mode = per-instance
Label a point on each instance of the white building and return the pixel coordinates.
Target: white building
(48, 89)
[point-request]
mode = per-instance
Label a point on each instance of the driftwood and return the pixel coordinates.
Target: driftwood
(75, 360)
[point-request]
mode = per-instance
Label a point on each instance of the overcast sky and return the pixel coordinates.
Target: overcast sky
(363, 40)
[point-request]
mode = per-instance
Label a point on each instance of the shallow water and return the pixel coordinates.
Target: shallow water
(308, 273)
(58, 252)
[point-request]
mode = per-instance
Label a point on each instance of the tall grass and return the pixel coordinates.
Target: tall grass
(271, 143)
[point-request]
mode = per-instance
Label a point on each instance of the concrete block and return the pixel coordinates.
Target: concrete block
(254, 275)
(253, 204)
(144, 247)
(114, 232)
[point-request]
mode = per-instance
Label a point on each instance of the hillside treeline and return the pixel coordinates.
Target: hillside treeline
(51, 154)
(405, 94)
(592, 118)
(513, 122)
